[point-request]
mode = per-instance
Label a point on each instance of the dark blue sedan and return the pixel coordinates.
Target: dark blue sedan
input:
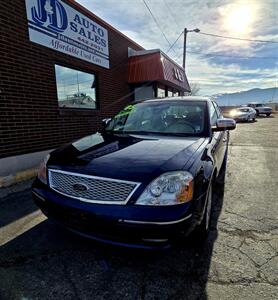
(146, 180)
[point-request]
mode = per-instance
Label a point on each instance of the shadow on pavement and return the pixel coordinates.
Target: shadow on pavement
(48, 262)
(265, 117)
(16, 206)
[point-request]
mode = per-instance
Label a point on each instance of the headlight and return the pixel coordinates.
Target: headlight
(168, 189)
(233, 113)
(42, 174)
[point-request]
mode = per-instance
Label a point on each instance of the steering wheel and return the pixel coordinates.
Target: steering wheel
(179, 126)
(182, 121)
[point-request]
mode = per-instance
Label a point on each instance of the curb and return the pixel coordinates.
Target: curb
(19, 177)
(23, 186)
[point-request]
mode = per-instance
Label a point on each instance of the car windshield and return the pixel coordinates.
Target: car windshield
(243, 109)
(183, 118)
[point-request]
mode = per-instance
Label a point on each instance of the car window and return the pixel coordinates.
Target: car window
(243, 109)
(212, 114)
(169, 118)
(218, 110)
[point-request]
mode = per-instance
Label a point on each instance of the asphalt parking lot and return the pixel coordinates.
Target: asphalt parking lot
(39, 260)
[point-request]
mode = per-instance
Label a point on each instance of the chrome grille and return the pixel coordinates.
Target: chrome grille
(98, 189)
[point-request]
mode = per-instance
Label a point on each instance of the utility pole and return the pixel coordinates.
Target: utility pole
(184, 47)
(78, 84)
(184, 43)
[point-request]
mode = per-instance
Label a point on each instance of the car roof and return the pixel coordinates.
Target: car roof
(178, 98)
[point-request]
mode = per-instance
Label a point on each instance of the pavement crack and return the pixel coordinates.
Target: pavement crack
(70, 281)
(249, 233)
(268, 260)
(241, 282)
(249, 218)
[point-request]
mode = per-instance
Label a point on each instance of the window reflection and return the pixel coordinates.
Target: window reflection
(75, 89)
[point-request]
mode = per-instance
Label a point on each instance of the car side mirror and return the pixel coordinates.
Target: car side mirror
(105, 122)
(224, 124)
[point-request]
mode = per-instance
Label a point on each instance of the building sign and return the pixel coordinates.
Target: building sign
(58, 26)
(178, 74)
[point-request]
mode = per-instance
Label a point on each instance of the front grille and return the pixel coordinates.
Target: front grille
(96, 189)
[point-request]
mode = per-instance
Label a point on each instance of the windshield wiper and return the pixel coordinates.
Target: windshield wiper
(152, 133)
(138, 132)
(178, 134)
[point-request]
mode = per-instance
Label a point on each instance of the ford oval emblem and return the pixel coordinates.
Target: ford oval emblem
(80, 187)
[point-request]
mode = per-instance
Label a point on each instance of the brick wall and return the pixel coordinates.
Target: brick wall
(30, 119)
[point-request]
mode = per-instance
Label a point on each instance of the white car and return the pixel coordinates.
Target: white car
(261, 109)
(244, 114)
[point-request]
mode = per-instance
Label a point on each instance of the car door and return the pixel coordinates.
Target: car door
(219, 138)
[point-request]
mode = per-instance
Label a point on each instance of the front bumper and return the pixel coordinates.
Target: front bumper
(115, 224)
(243, 118)
(266, 111)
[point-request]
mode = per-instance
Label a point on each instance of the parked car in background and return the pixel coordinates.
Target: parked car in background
(146, 180)
(260, 108)
(243, 114)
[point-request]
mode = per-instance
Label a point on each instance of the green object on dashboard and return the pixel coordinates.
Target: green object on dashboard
(126, 111)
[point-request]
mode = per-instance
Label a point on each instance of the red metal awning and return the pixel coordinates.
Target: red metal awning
(156, 66)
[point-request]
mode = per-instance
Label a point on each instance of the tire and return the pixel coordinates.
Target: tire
(254, 119)
(268, 115)
(257, 113)
(220, 180)
(200, 233)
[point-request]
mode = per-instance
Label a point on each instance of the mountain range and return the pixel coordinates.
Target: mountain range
(243, 97)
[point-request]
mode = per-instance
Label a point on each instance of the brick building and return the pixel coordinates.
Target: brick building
(62, 70)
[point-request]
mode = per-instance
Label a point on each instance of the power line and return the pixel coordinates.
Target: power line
(237, 38)
(214, 35)
(233, 56)
(156, 22)
(229, 56)
(171, 13)
(175, 42)
(221, 55)
(75, 83)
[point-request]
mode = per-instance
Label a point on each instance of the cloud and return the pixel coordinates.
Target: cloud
(215, 74)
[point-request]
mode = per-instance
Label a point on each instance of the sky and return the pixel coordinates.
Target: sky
(211, 62)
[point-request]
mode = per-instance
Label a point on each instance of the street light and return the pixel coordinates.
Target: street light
(184, 45)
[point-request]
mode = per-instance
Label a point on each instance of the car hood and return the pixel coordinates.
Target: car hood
(128, 157)
(241, 113)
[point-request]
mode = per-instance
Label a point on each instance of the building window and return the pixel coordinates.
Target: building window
(160, 92)
(75, 89)
(143, 92)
